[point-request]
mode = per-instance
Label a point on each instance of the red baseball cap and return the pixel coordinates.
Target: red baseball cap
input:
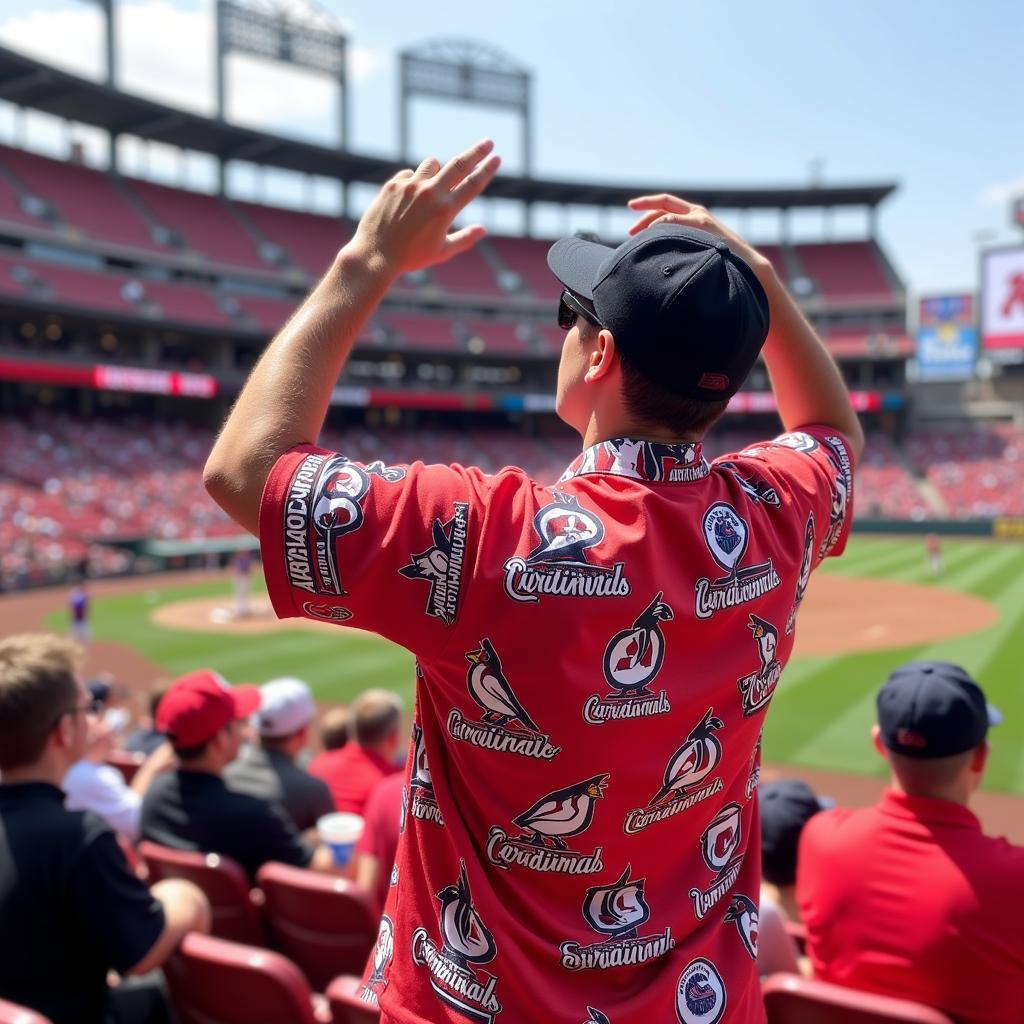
(198, 705)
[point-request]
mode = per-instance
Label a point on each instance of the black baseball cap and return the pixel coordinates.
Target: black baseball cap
(930, 709)
(684, 309)
(786, 806)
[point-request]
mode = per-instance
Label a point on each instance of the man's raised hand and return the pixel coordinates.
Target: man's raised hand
(668, 209)
(408, 226)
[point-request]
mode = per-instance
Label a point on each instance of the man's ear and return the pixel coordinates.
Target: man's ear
(980, 758)
(603, 358)
(876, 738)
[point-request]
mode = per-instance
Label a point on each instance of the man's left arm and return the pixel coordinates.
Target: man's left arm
(407, 227)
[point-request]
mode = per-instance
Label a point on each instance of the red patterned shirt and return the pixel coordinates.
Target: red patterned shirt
(595, 660)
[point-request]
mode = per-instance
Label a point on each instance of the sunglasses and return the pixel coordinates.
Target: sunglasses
(571, 308)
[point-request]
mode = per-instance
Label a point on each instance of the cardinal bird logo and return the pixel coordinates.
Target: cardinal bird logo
(634, 656)
(694, 761)
(617, 910)
(466, 939)
(420, 777)
(383, 950)
(490, 689)
(566, 530)
(721, 838)
(743, 913)
(700, 993)
(566, 812)
(596, 1017)
(726, 535)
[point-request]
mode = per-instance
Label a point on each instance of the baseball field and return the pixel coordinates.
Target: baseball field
(879, 605)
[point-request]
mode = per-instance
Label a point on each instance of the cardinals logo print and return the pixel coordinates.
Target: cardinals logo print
(424, 806)
(505, 724)
(558, 565)
(441, 564)
(755, 488)
(743, 913)
(323, 504)
(685, 781)
(726, 535)
(596, 1017)
(700, 993)
(758, 687)
(805, 572)
(326, 612)
(465, 943)
(383, 952)
(632, 659)
(718, 845)
(641, 460)
(617, 912)
(546, 826)
(842, 490)
(754, 777)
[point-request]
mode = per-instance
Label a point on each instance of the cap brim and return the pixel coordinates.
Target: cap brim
(247, 699)
(995, 716)
(575, 261)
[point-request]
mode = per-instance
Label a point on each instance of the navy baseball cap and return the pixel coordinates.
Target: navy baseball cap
(786, 806)
(684, 309)
(932, 709)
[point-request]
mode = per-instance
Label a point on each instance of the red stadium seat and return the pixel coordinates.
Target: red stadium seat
(797, 931)
(126, 762)
(346, 1006)
(326, 925)
(791, 999)
(11, 1013)
(213, 981)
(235, 914)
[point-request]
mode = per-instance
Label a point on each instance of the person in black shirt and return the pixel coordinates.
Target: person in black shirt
(70, 909)
(192, 808)
(269, 769)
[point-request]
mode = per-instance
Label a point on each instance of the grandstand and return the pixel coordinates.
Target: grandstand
(130, 312)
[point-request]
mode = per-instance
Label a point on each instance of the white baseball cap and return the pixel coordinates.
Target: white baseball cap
(286, 706)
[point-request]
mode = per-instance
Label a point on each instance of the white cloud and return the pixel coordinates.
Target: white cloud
(999, 193)
(166, 51)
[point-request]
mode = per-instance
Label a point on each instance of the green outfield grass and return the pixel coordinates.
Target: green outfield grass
(821, 713)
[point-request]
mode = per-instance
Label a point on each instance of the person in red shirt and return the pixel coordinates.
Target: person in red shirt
(375, 854)
(595, 658)
(352, 771)
(909, 898)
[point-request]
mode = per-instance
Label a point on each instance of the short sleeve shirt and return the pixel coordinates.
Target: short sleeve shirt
(380, 835)
(910, 898)
(274, 776)
(196, 811)
(70, 909)
(595, 659)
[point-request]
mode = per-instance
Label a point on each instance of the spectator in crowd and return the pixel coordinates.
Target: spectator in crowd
(541, 617)
(93, 785)
(786, 807)
(375, 853)
(70, 908)
(192, 808)
(335, 727)
(909, 897)
(352, 771)
(146, 737)
(78, 608)
(268, 769)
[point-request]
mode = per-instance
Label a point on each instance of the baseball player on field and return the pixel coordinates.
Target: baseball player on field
(595, 657)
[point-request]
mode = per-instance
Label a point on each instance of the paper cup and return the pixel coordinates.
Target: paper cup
(340, 832)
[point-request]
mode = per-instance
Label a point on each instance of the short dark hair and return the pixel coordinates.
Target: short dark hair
(191, 753)
(650, 405)
(376, 714)
(37, 686)
(928, 776)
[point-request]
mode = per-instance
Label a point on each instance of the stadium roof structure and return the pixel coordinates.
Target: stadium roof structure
(30, 83)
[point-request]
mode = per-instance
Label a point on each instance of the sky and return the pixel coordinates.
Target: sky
(929, 97)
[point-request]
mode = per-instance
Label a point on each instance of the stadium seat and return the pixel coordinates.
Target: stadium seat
(212, 981)
(126, 762)
(797, 931)
(792, 999)
(11, 1013)
(326, 925)
(235, 913)
(346, 1006)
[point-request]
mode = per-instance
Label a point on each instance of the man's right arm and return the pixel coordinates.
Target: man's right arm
(808, 386)
(186, 909)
